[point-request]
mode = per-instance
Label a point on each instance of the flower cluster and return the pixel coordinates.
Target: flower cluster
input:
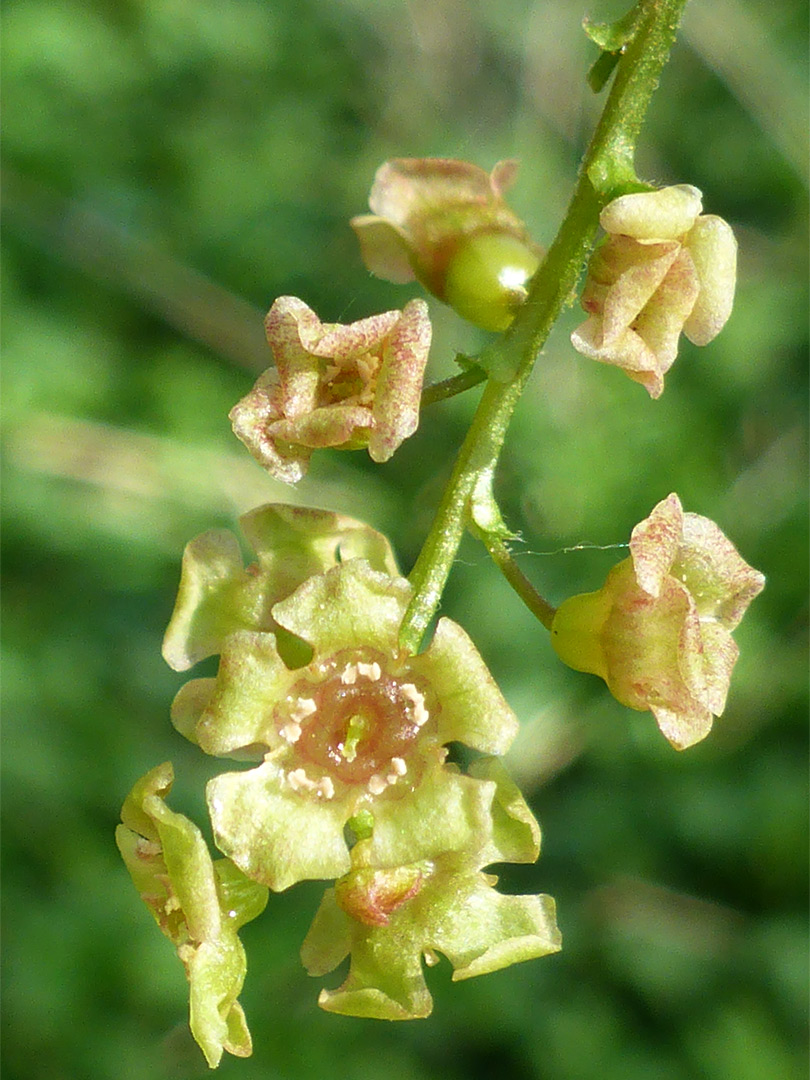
(663, 269)
(348, 777)
(339, 737)
(659, 630)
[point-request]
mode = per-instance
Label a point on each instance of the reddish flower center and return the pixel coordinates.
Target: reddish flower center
(358, 722)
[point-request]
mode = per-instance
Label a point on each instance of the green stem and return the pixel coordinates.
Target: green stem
(501, 555)
(606, 168)
(448, 388)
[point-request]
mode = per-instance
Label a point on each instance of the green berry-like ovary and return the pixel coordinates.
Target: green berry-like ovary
(487, 277)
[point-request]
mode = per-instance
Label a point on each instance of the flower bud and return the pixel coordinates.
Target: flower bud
(659, 630)
(663, 269)
(445, 224)
(333, 385)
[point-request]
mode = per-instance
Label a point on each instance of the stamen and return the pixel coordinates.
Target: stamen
(377, 784)
(303, 708)
(349, 675)
(398, 765)
(299, 781)
(420, 713)
(371, 671)
(291, 732)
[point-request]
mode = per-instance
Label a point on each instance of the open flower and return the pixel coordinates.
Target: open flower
(198, 904)
(334, 386)
(390, 919)
(659, 630)
(664, 269)
(360, 729)
(445, 223)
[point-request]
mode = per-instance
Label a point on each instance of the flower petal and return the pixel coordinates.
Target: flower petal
(685, 728)
(295, 542)
(275, 834)
(720, 580)
(473, 709)
(652, 216)
(445, 812)
(662, 320)
(655, 542)
(252, 678)
(349, 606)
(203, 612)
(399, 383)
(713, 248)
(383, 249)
(490, 931)
(252, 419)
(515, 832)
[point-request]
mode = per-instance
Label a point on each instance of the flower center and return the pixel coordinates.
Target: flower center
(358, 722)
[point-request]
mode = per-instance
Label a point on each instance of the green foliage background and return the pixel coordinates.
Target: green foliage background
(170, 168)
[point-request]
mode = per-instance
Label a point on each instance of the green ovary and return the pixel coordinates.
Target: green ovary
(487, 277)
(576, 632)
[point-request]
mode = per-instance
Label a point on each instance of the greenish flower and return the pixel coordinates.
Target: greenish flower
(664, 269)
(361, 728)
(334, 385)
(198, 904)
(445, 223)
(659, 630)
(389, 919)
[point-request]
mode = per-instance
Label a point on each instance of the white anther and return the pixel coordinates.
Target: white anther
(370, 671)
(377, 784)
(291, 732)
(398, 766)
(326, 787)
(304, 707)
(420, 713)
(172, 904)
(349, 675)
(299, 781)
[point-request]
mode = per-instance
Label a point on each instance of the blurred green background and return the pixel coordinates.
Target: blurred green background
(170, 168)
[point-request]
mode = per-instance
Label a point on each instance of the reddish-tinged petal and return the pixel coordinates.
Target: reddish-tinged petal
(637, 275)
(654, 544)
(721, 581)
(331, 425)
(399, 383)
(720, 654)
(683, 729)
(252, 419)
(661, 322)
(383, 249)
(628, 352)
